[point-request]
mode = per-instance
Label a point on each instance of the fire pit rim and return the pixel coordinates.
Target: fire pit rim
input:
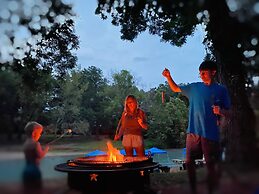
(63, 167)
(93, 161)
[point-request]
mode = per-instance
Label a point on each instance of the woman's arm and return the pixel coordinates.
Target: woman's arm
(142, 120)
(120, 129)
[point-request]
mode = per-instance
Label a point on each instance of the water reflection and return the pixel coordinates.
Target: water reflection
(11, 170)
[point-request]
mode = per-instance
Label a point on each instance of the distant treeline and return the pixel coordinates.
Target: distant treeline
(86, 102)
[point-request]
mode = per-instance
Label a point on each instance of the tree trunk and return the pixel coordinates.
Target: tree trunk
(241, 136)
(225, 33)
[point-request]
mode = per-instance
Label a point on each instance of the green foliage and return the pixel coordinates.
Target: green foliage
(91, 107)
(48, 14)
(173, 21)
(86, 103)
(34, 96)
(55, 49)
(68, 106)
(124, 83)
(168, 121)
(38, 73)
(9, 85)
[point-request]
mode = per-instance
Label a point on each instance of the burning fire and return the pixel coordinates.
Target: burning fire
(114, 155)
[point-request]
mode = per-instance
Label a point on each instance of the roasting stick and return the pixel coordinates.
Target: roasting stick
(68, 131)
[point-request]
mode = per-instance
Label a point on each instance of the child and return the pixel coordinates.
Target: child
(33, 154)
(132, 121)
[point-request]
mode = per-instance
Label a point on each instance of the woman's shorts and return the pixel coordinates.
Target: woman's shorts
(132, 141)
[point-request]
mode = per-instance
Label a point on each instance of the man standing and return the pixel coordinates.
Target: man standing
(208, 101)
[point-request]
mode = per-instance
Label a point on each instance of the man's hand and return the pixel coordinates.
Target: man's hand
(166, 73)
(174, 87)
(216, 110)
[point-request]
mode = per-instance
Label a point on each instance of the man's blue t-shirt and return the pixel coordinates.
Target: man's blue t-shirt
(202, 120)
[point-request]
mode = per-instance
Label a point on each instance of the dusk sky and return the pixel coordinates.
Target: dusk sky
(145, 58)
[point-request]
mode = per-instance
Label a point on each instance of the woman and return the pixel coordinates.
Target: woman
(132, 121)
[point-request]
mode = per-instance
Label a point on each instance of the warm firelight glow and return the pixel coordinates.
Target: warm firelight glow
(114, 155)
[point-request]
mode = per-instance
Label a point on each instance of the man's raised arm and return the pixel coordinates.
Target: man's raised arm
(174, 87)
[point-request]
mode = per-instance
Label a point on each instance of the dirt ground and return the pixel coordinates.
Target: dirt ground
(231, 183)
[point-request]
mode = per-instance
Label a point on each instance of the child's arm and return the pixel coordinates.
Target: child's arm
(41, 152)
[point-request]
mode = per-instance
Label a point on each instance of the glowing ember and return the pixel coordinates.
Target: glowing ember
(114, 155)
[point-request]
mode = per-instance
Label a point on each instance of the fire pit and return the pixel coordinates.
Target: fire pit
(100, 174)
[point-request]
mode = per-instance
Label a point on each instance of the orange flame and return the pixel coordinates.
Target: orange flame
(114, 155)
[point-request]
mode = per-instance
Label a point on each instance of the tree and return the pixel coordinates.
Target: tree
(38, 73)
(122, 85)
(9, 107)
(236, 71)
(93, 98)
(168, 120)
(67, 111)
(31, 92)
(55, 51)
(24, 23)
(229, 38)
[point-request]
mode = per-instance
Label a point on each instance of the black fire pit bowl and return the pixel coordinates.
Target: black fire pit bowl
(113, 177)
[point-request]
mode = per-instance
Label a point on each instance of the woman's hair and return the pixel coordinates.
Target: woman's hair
(126, 108)
(30, 126)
